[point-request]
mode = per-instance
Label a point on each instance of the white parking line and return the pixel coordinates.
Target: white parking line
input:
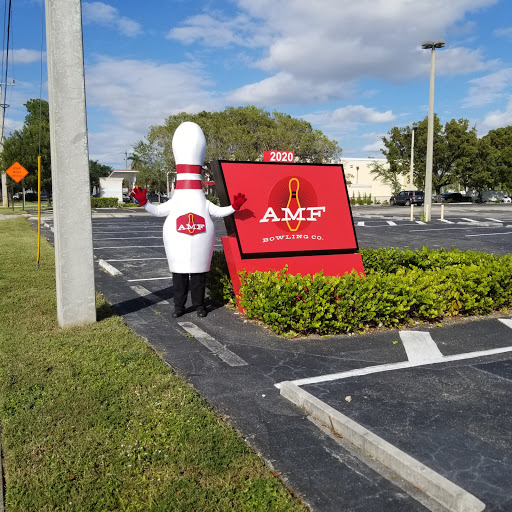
(506, 321)
(138, 259)
(144, 292)
(494, 220)
(127, 238)
(213, 345)
(129, 247)
(444, 229)
(420, 222)
(148, 279)
(493, 234)
(360, 223)
(395, 366)
(470, 220)
(447, 221)
(391, 223)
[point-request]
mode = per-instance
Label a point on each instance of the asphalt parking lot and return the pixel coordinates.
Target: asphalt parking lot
(441, 397)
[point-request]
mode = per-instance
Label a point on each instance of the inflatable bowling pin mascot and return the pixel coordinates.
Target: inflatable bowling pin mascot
(188, 232)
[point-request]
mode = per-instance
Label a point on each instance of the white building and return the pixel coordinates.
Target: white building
(112, 185)
(360, 181)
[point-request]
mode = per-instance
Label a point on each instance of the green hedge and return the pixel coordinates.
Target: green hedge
(218, 282)
(400, 287)
(104, 202)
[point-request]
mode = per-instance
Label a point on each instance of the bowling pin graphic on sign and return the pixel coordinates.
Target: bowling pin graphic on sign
(293, 204)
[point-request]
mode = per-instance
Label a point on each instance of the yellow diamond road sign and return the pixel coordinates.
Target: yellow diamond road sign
(17, 172)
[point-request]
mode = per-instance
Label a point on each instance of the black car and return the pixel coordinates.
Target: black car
(408, 197)
(455, 197)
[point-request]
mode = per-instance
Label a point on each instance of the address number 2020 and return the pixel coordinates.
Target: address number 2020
(279, 156)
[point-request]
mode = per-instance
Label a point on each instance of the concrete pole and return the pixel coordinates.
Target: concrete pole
(4, 175)
(430, 140)
(74, 262)
(411, 177)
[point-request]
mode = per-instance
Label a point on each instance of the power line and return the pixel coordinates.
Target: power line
(6, 55)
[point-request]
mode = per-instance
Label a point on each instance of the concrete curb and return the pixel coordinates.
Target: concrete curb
(109, 268)
(446, 493)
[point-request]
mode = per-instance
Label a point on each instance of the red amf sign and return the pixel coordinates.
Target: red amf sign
(292, 209)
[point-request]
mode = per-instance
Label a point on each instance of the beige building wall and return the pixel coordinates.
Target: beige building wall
(357, 172)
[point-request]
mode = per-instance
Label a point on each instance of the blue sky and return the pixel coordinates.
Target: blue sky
(353, 69)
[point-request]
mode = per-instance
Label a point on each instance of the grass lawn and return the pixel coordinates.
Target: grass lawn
(18, 208)
(91, 419)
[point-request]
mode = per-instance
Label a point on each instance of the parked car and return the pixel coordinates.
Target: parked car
(408, 197)
(455, 197)
(506, 199)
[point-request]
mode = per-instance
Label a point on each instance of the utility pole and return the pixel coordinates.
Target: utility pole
(74, 260)
(4, 175)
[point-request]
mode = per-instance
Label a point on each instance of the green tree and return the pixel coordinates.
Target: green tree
(23, 146)
(454, 146)
(476, 173)
(387, 175)
(243, 133)
(500, 143)
(151, 166)
(97, 171)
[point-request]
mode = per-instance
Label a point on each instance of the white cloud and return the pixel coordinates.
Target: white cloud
(285, 88)
(374, 147)
(135, 95)
(346, 118)
(26, 56)
(496, 119)
(489, 88)
(362, 114)
(217, 32)
(106, 15)
(325, 44)
(504, 32)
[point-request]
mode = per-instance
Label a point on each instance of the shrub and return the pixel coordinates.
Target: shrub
(399, 287)
(218, 282)
(213, 199)
(104, 202)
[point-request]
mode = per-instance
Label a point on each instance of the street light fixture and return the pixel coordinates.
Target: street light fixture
(430, 45)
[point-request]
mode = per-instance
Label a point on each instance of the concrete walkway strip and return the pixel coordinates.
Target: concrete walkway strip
(109, 268)
(420, 347)
(144, 292)
(213, 345)
(446, 493)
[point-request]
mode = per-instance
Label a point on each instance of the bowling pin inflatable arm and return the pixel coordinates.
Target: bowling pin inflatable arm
(139, 195)
(238, 201)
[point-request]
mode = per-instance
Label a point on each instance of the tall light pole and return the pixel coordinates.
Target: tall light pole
(430, 45)
(411, 177)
